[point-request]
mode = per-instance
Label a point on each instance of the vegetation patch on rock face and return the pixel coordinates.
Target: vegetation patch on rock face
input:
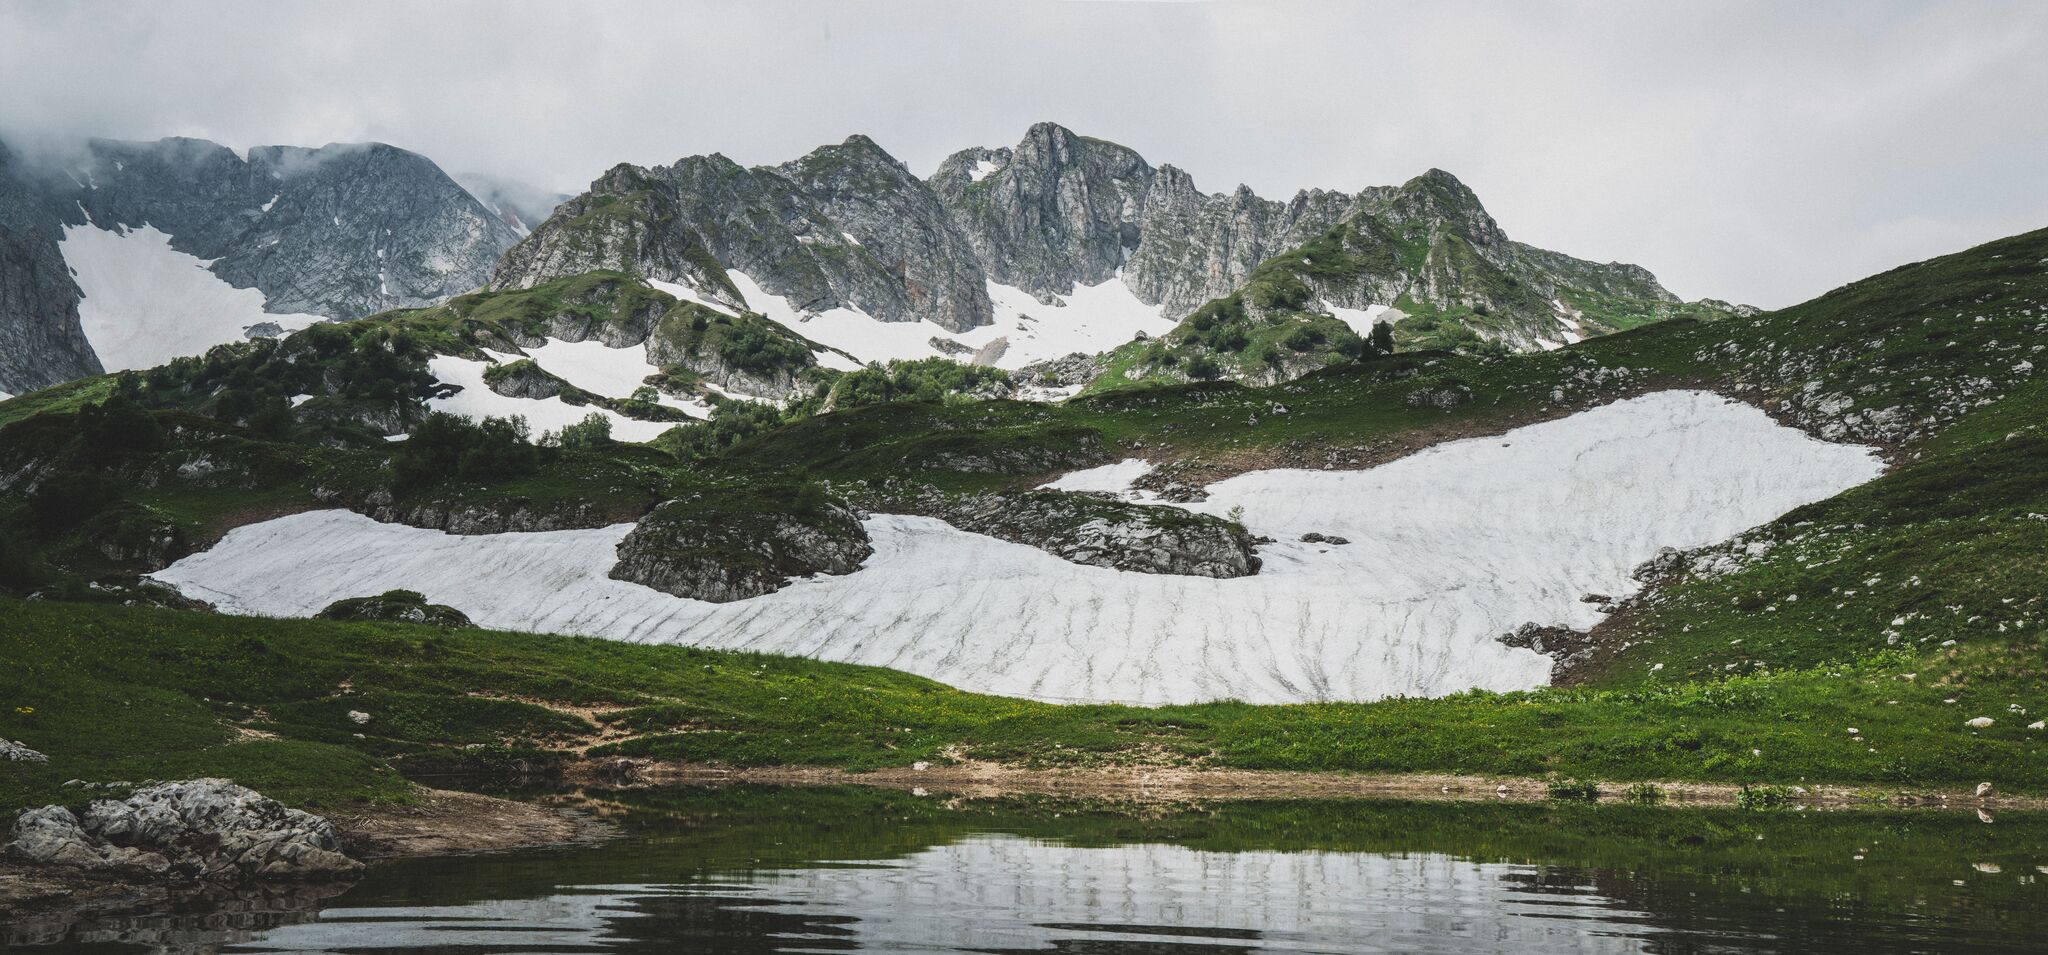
(398, 606)
(722, 542)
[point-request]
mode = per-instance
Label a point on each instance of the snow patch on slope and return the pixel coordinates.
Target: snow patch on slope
(594, 366)
(477, 400)
(1093, 319)
(603, 370)
(685, 293)
(1114, 479)
(848, 329)
(1451, 547)
(147, 303)
(1360, 319)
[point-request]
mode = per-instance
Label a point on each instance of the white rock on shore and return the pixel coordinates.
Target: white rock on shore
(200, 829)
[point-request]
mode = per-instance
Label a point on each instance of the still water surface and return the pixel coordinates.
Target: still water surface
(836, 870)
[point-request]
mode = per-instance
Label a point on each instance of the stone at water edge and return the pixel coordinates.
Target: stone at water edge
(52, 835)
(202, 828)
(1986, 790)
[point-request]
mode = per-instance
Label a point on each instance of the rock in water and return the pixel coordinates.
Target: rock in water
(206, 829)
(1986, 790)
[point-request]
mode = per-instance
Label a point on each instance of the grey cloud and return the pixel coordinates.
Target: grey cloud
(1760, 152)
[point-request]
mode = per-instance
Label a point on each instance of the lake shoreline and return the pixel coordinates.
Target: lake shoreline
(980, 779)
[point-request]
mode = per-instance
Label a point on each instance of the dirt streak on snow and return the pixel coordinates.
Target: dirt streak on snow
(1451, 547)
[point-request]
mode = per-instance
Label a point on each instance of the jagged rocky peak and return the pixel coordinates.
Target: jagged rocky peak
(926, 272)
(1441, 199)
(339, 232)
(848, 226)
(1060, 209)
(343, 230)
(41, 341)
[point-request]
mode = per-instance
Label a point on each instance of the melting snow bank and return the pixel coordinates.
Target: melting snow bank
(1450, 547)
(477, 400)
(1094, 318)
(147, 303)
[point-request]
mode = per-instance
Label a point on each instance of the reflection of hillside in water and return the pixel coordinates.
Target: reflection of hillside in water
(758, 869)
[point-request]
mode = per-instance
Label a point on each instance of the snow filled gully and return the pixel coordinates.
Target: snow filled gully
(1449, 548)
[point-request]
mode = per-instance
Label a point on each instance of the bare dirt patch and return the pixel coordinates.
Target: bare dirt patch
(444, 822)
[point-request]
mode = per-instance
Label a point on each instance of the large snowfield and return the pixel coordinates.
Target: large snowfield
(1450, 547)
(147, 303)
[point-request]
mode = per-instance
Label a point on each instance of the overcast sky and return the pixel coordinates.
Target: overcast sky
(1759, 152)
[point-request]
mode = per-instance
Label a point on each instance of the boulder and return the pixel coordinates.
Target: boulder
(14, 752)
(1667, 561)
(1986, 790)
(202, 829)
(1098, 531)
(703, 549)
(401, 606)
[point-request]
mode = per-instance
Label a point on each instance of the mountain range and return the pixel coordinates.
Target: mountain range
(1060, 245)
(849, 227)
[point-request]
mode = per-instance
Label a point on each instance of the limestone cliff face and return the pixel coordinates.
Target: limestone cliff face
(844, 227)
(848, 226)
(41, 342)
(345, 230)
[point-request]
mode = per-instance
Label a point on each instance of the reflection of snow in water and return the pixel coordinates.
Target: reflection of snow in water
(1004, 893)
(1449, 548)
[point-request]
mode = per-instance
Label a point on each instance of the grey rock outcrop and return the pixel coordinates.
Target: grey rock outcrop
(460, 517)
(41, 340)
(687, 551)
(206, 829)
(846, 226)
(342, 231)
(522, 379)
(1098, 531)
(397, 606)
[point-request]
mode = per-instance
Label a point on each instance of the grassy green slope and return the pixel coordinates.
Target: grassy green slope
(132, 693)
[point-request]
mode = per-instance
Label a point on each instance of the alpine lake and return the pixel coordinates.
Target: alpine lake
(837, 869)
